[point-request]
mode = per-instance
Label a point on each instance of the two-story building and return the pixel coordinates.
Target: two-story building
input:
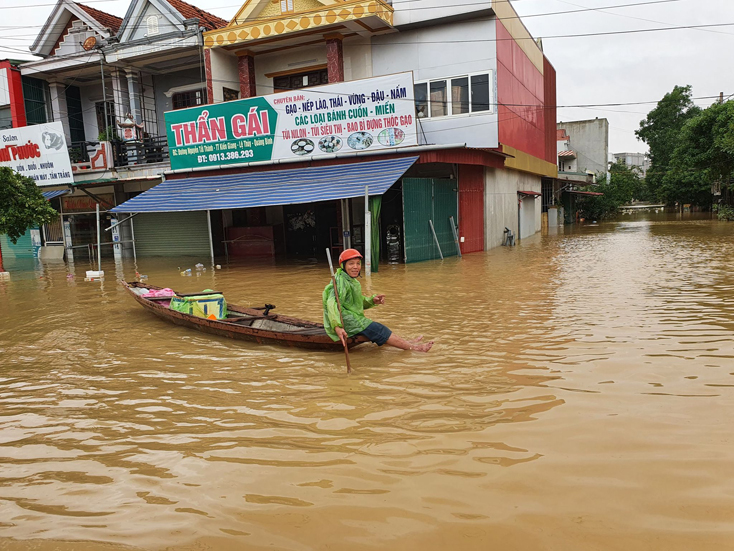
(477, 144)
(109, 80)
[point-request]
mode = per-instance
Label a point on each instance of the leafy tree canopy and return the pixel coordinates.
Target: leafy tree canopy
(625, 184)
(660, 131)
(22, 205)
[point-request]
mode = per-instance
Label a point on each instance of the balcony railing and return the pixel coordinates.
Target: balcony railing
(152, 149)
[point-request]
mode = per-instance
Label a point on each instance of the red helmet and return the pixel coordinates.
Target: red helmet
(349, 254)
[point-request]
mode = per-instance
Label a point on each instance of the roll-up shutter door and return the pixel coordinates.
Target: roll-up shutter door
(171, 234)
(22, 249)
(427, 199)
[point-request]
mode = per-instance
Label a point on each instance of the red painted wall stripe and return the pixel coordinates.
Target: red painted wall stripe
(549, 82)
(521, 98)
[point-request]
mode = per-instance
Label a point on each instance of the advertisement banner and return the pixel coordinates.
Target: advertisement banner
(347, 117)
(37, 151)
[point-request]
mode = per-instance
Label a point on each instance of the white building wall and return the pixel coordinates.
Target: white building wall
(442, 52)
(411, 12)
(501, 204)
(225, 73)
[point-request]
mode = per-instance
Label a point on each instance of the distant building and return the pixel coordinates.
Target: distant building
(641, 161)
(583, 149)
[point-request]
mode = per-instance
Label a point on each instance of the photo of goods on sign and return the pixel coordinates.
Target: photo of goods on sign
(391, 136)
(302, 147)
(360, 140)
(330, 144)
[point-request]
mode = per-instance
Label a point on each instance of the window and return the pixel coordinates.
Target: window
(181, 100)
(301, 80)
(421, 100)
(460, 95)
(480, 93)
(228, 94)
(6, 119)
(439, 101)
(286, 6)
(35, 92)
(152, 22)
(105, 110)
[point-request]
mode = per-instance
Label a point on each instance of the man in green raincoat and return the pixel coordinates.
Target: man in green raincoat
(353, 305)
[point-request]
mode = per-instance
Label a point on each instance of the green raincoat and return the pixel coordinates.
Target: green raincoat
(353, 302)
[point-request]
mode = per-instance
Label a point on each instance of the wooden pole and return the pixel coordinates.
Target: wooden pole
(339, 306)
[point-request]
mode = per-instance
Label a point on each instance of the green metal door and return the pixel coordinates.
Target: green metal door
(445, 205)
(172, 234)
(427, 199)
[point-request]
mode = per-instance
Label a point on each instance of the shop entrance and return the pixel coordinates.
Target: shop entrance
(311, 228)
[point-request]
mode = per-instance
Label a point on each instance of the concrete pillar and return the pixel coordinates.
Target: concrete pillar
(335, 57)
(119, 96)
(209, 81)
(246, 67)
(59, 109)
(133, 90)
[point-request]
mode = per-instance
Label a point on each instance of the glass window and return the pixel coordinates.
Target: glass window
(459, 96)
(182, 100)
(439, 103)
(421, 100)
(300, 80)
(286, 6)
(480, 93)
(6, 119)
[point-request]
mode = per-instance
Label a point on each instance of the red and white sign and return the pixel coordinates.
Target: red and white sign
(39, 152)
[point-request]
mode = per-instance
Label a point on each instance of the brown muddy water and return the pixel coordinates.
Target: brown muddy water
(580, 396)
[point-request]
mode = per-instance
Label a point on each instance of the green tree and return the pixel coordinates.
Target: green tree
(22, 205)
(625, 185)
(660, 131)
(704, 155)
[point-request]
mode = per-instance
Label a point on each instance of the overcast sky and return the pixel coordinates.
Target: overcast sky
(620, 68)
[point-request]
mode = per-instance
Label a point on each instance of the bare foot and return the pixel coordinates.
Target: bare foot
(422, 347)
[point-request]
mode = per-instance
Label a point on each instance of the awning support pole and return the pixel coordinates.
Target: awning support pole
(99, 242)
(346, 233)
(433, 231)
(132, 235)
(209, 227)
(367, 233)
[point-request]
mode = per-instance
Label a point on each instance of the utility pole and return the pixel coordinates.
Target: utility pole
(721, 97)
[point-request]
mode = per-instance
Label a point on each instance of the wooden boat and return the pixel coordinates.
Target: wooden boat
(252, 324)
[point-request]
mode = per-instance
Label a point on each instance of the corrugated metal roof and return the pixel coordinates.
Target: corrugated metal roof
(261, 189)
(529, 193)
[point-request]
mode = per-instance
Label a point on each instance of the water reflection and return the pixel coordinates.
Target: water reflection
(571, 374)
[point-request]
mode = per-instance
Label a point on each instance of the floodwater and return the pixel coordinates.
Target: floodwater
(580, 396)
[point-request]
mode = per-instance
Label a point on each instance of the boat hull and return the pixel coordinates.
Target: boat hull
(305, 334)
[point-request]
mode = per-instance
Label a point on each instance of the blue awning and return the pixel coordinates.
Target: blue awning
(262, 189)
(54, 193)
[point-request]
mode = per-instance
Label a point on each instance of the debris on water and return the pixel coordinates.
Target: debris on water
(218, 266)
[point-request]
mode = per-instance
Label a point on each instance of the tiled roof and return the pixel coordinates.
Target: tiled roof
(105, 19)
(206, 19)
